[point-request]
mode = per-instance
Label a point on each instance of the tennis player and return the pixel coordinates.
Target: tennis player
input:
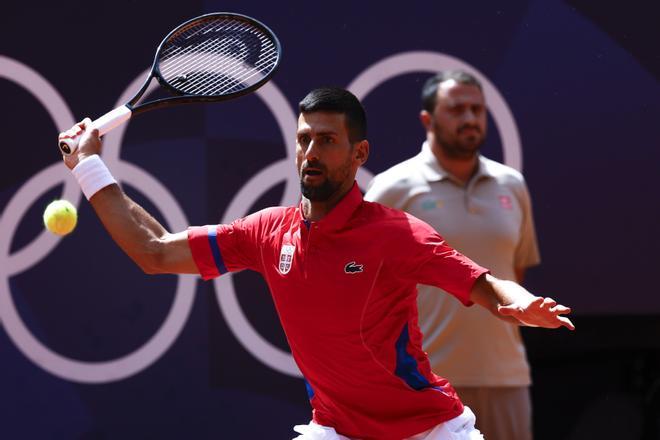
(342, 273)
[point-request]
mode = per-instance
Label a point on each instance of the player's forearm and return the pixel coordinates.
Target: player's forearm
(136, 232)
(491, 292)
(513, 303)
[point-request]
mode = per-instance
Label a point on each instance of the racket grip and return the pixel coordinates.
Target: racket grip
(104, 124)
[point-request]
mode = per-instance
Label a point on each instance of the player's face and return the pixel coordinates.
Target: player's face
(459, 119)
(325, 158)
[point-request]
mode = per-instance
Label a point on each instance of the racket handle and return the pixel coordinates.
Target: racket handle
(104, 124)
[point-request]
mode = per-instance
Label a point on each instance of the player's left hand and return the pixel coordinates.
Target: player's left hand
(538, 312)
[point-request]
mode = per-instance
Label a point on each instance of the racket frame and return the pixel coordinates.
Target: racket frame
(183, 98)
(123, 113)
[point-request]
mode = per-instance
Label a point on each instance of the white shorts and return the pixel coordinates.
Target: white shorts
(458, 428)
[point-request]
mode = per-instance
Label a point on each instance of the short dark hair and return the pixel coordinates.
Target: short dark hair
(338, 100)
(430, 89)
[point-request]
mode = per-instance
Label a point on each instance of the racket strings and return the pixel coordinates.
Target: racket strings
(226, 25)
(231, 76)
(238, 77)
(185, 40)
(199, 27)
(229, 83)
(204, 72)
(217, 58)
(189, 58)
(198, 61)
(202, 54)
(205, 68)
(213, 45)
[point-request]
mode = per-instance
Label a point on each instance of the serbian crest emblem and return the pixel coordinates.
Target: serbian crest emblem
(286, 258)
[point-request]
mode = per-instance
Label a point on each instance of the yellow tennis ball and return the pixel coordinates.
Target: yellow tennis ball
(60, 217)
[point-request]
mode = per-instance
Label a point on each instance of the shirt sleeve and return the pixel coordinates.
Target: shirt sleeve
(427, 259)
(218, 249)
(527, 252)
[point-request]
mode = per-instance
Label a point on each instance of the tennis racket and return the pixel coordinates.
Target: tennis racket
(210, 58)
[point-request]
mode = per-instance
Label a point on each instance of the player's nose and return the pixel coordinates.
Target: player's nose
(311, 152)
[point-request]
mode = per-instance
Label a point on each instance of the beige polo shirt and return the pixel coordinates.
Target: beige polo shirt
(490, 221)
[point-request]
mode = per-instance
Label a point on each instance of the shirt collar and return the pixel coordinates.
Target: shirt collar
(431, 169)
(485, 168)
(433, 172)
(342, 212)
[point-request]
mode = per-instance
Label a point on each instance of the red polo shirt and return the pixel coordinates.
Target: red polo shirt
(345, 291)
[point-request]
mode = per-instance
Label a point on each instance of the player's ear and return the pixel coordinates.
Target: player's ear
(425, 118)
(361, 151)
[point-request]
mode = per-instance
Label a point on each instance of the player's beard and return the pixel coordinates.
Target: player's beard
(319, 193)
(324, 191)
(457, 148)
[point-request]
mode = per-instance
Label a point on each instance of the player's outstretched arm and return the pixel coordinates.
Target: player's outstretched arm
(513, 303)
(136, 232)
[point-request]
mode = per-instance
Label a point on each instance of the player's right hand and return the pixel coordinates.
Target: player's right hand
(89, 142)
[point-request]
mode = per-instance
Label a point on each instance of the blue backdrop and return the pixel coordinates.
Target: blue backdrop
(91, 348)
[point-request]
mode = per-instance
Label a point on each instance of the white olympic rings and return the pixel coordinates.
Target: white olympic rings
(282, 170)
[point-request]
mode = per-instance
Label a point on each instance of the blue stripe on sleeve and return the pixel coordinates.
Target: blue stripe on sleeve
(310, 390)
(406, 365)
(215, 250)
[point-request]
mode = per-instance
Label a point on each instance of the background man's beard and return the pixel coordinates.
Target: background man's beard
(458, 149)
(319, 193)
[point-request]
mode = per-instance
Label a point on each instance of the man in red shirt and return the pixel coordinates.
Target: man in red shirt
(342, 273)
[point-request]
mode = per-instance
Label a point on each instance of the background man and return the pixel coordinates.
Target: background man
(482, 208)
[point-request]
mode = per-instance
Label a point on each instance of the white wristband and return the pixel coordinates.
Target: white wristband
(92, 175)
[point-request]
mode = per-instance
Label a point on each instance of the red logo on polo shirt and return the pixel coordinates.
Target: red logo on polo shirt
(286, 258)
(505, 202)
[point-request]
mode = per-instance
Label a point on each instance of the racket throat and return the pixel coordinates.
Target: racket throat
(113, 119)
